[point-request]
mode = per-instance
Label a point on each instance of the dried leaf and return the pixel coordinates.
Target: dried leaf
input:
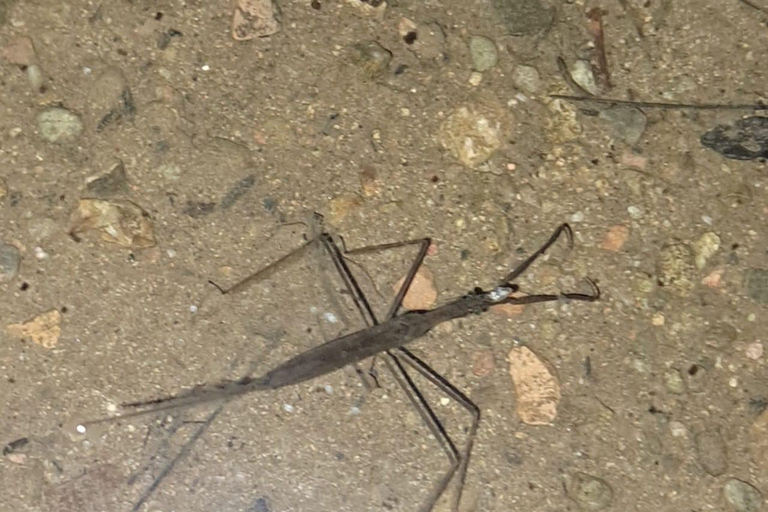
(537, 389)
(43, 330)
(120, 222)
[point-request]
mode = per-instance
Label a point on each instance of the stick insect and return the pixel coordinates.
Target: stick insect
(387, 337)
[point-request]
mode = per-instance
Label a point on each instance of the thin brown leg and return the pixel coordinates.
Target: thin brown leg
(522, 267)
(395, 361)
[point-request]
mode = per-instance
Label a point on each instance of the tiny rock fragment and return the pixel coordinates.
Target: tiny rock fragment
(406, 27)
(742, 496)
(120, 222)
(589, 492)
(474, 131)
(59, 125)
(581, 72)
(369, 181)
(19, 51)
(536, 387)
(17, 458)
(422, 293)
(746, 139)
(705, 247)
(676, 268)
(615, 238)
(674, 381)
(711, 451)
(482, 363)
(369, 8)
(754, 350)
(562, 123)
(113, 183)
(254, 18)
(369, 58)
(483, 52)
(714, 278)
(9, 262)
(43, 330)
(341, 206)
(756, 283)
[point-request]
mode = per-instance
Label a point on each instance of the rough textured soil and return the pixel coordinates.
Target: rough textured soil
(199, 155)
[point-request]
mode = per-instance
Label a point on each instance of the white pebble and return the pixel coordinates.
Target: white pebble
(755, 350)
(206, 67)
(677, 429)
(171, 253)
(354, 410)
(193, 309)
(328, 389)
(111, 407)
(445, 400)
(288, 408)
(87, 70)
(734, 382)
(330, 318)
(81, 429)
(707, 220)
(577, 217)
(40, 253)
(635, 212)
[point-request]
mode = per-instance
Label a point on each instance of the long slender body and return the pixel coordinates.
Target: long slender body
(361, 345)
(352, 348)
(338, 353)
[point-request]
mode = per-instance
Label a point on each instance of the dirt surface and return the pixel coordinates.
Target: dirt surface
(199, 154)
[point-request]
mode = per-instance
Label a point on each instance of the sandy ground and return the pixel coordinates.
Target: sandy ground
(216, 150)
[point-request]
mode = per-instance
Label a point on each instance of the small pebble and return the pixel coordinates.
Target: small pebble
(9, 262)
(674, 382)
(422, 293)
(475, 78)
(40, 253)
(756, 283)
(705, 247)
(743, 497)
(713, 279)
(483, 52)
(710, 448)
(676, 268)
(330, 318)
(445, 401)
(59, 125)
(371, 58)
(658, 319)
(678, 429)
(577, 217)
(615, 238)
(635, 212)
(527, 79)
(733, 382)
(81, 429)
(582, 75)
(328, 389)
(754, 350)
(288, 408)
(193, 309)
(483, 363)
(589, 492)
